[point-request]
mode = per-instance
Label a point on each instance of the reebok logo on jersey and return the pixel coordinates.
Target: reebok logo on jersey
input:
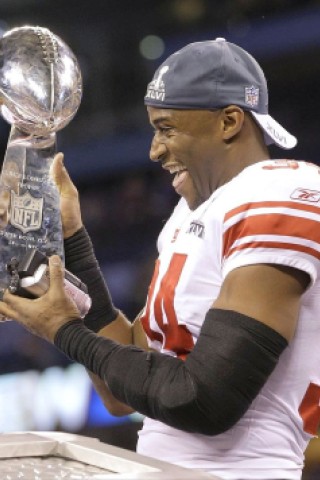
(306, 195)
(196, 228)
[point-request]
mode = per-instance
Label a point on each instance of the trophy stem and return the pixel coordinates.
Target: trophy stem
(29, 200)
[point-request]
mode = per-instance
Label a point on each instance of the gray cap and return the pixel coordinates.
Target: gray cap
(214, 74)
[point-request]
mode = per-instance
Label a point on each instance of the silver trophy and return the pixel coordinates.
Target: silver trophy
(40, 92)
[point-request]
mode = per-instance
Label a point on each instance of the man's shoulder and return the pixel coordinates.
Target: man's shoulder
(271, 183)
(283, 168)
(278, 179)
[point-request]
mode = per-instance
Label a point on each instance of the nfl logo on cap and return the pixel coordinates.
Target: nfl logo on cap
(252, 96)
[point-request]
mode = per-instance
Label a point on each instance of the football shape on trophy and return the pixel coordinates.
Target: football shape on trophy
(40, 81)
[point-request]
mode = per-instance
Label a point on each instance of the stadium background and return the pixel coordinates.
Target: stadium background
(125, 199)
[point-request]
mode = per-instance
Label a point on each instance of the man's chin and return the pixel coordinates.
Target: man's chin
(185, 188)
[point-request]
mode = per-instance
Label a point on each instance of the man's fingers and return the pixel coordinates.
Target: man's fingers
(56, 169)
(12, 305)
(56, 271)
(6, 312)
(60, 174)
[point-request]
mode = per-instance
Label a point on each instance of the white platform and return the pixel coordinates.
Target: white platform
(63, 456)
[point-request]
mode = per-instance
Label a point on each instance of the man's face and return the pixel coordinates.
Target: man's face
(187, 142)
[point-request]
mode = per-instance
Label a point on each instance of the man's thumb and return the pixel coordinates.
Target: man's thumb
(56, 271)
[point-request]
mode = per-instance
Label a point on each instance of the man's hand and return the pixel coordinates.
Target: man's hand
(9, 183)
(69, 197)
(44, 315)
(4, 208)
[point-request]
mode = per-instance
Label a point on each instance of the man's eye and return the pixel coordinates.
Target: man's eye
(165, 129)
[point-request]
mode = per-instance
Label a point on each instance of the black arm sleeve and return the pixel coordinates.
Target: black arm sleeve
(80, 260)
(208, 393)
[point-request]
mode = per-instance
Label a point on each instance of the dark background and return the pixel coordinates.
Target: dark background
(125, 199)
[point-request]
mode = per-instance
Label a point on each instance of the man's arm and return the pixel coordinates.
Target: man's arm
(268, 293)
(103, 318)
(81, 261)
(212, 389)
(122, 331)
(235, 354)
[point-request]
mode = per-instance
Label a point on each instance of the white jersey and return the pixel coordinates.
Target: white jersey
(269, 213)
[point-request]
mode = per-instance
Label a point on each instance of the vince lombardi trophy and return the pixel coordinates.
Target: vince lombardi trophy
(40, 92)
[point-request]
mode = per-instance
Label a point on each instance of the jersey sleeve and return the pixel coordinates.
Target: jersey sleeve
(276, 228)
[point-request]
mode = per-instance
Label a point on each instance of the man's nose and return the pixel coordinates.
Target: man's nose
(157, 150)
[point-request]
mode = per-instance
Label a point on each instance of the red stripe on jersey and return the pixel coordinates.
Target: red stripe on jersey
(272, 224)
(177, 337)
(267, 245)
(174, 336)
(152, 334)
(294, 205)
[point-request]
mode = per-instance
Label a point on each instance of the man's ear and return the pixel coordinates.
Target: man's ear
(233, 118)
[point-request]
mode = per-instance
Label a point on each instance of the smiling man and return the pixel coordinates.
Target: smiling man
(224, 360)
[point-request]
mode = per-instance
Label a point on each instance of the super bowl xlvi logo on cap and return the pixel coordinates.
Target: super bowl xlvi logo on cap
(251, 96)
(157, 89)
